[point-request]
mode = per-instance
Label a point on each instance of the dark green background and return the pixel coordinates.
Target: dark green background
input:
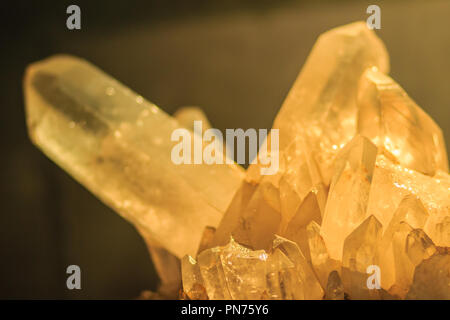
(235, 59)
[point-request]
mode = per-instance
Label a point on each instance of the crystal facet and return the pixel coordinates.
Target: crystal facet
(119, 145)
(391, 119)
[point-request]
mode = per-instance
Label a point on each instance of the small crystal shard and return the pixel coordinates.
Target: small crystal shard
(321, 262)
(232, 217)
(411, 247)
(335, 289)
(390, 118)
(397, 181)
(309, 211)
(260, 220)
(360, 252)
(267, 205)
(244, 270)
(402, 270)
(349, 193)
(193, 284)
(212, 273)
(308, 282)
(299, 176)
(279, 270)
(419, 246)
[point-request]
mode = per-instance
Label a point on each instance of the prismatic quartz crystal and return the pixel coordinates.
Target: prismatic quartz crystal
(359, 208)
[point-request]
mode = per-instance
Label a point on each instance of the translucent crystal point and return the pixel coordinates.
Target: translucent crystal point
(360, 252)
(321, 262)
(349, 193)
(419, 246)
(410, 248)
(119, 146)
(299, 176)
(322, 102)
(308, 282)
(256, 224)
(390, 118)
(193, 284)
(280, 270)
(266, 205)
(233, 215)
(398, 277)
(212, 273)
(411, 211)
(296, 230)
(244, 270)
(283, 280)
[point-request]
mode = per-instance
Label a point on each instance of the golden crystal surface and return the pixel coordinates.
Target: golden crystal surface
(359, 208)
(118, 145)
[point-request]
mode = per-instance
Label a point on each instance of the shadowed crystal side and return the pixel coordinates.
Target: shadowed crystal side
(432, 278)
(335, 289)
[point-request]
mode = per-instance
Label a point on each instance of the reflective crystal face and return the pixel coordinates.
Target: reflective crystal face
(359, 208)
(321, 104)
(392, 120)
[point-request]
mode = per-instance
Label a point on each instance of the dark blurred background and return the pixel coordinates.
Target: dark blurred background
(234, 58)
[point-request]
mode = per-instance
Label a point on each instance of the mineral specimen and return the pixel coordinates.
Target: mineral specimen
(359, 208)
(118, 145)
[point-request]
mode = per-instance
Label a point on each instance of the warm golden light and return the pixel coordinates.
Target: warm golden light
(359, 208)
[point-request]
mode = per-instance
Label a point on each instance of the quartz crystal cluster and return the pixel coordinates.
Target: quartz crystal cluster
(359, 208)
